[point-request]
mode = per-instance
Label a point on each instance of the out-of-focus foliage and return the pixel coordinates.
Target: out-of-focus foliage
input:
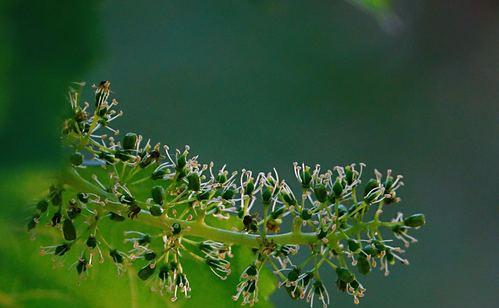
(381, 10)
(44, 45)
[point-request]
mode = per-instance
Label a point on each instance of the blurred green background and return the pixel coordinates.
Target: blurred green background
(262, 83)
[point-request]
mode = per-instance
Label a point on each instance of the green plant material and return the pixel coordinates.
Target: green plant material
(177, 215)
(68, 230)
(76, 159)
(415, 221)
(157, 194)
(363, 265)
(147, 271)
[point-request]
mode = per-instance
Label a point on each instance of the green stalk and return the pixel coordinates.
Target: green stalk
(201, 229)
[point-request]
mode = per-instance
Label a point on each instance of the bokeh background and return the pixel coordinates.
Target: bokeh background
(407, 85)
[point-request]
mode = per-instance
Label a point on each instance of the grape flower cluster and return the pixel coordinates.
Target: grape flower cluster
(181, 208)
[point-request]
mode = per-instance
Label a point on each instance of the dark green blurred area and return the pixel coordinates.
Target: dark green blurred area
(260, 84)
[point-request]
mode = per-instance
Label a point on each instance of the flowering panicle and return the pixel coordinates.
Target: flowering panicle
(199, 212)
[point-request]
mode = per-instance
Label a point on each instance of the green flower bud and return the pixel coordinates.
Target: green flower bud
(349, 175)
(247, 220)
(146, 271)
(163, 272)
(415, 221)
(68, 230)
(83, 197)
(320, 193)
(353, 245)
(355, 284)
(388, 183)
(221, 178)
(379, 246)
(294, 274)
(306, 214)
(173, 265)
(372, 184)
(144, 239)
(81, 266)
(305, 177)
(91, 242)
(363, 265)
(266, 194)
(157, 193)
(76, 159)
(61, 249)
(344, 274)
(181, 161)
(321, 234)
(337, 188)
(150, 255)
(156, 210)
(203, 195)
(102, 112)
(249, 188)
(194, 183)
(116, 256)
(218, 192)
(129, 141)
(176, 228)
(370, 250)
(56, 219)
(73, 211)
(251, 270)
(288, 198)
(228, 194)
(127, 199)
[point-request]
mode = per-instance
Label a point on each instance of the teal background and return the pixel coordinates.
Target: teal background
(260, 84)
